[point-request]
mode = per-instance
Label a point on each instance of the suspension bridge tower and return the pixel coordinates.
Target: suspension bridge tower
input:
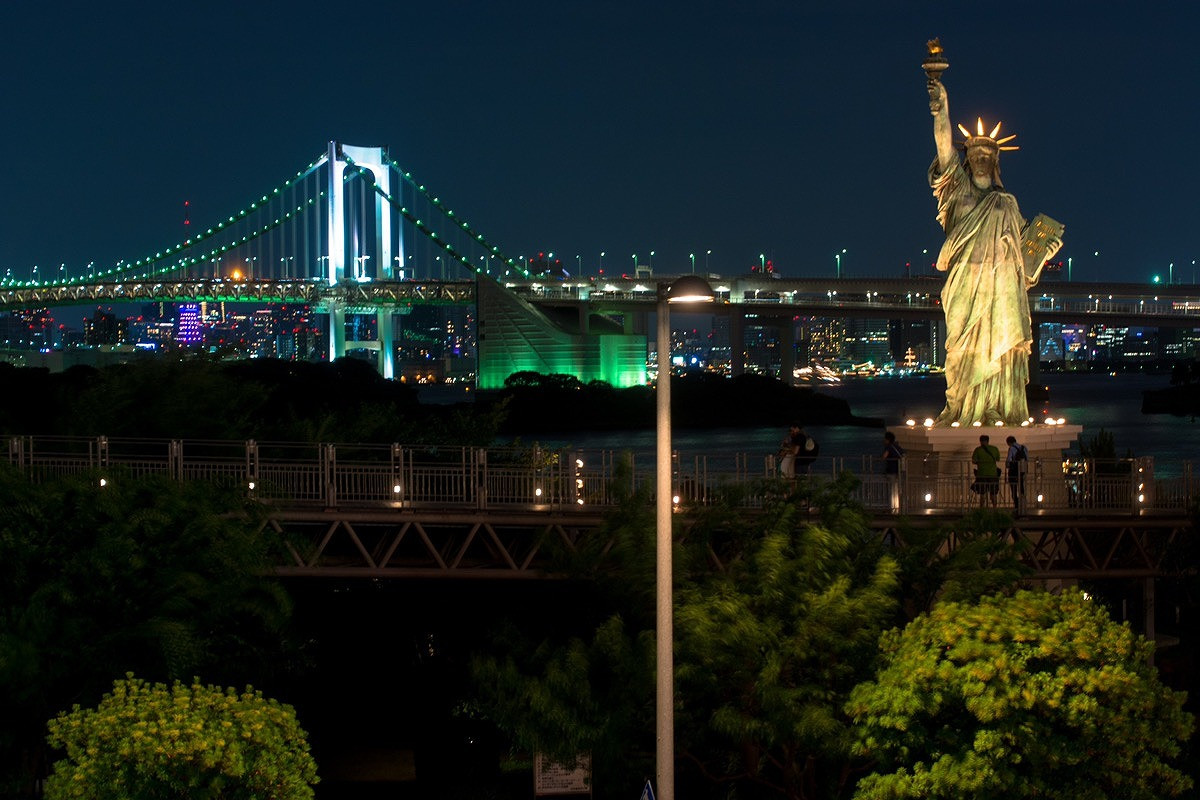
(357, 249)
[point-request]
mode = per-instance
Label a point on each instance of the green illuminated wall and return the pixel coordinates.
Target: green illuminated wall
(514, 336)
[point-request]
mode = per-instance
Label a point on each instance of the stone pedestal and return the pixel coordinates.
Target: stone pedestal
(939, 472)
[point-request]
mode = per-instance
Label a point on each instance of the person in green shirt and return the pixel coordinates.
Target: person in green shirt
(986, 459)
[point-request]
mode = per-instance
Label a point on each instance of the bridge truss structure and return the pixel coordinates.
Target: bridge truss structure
(391, 511)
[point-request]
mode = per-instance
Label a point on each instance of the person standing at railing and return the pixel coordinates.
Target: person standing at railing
(1014, 467)
(789, 449)
(986, 459)
(892, 455)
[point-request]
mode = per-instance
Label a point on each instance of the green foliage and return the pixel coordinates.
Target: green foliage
(777, 617)
(769, 649)
(1029, 696)
(589, 694)
(148, 741)
(165, 579)
(959, 562)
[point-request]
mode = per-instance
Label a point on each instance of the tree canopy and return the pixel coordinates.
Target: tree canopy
(150, 575)
(777, 618)
(149, 741)
(1030, 696)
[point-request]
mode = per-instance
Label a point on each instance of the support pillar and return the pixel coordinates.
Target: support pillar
(737, 343)
(387, 338)
(787, 352)
(337, 332)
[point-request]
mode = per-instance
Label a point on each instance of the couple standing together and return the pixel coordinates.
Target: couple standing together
(986, 458)
(798, 448)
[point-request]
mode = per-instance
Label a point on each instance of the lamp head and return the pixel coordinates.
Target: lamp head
(687, 289)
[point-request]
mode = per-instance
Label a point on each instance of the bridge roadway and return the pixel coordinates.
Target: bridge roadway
(390, 511)
(1120, 304)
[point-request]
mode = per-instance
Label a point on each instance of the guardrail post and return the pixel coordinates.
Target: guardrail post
(16, 451)
(328, 469)
(479, 477)
(101, 451)
(175, 459)
(398, 483)
(577, 483)
(251, 465)
(1142, 482)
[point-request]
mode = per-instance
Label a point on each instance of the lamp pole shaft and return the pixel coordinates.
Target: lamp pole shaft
(664, 622)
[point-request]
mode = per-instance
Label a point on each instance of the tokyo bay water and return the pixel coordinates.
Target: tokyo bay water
(1095, 401)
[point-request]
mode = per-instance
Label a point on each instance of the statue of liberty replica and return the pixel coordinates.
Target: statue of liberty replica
(992, 258)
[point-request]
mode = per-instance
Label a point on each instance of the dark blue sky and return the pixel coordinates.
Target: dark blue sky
(788, 128)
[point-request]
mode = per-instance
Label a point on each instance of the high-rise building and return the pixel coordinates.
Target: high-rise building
(188, 331)
(867, 341)
(104, 328)
(31, 329)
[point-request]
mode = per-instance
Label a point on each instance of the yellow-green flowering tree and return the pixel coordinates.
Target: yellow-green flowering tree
(146, 741)
(1030, 696)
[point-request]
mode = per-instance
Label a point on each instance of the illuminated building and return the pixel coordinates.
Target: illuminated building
(188, 331)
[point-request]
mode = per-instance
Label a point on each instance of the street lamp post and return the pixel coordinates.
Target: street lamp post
(687, 289)
(578, 266)
(602, 254)
(692, 256)
(837, 257)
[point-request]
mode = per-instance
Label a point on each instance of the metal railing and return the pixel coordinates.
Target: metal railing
(536, 478)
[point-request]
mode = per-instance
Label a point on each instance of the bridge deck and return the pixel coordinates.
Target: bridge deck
(502, 513)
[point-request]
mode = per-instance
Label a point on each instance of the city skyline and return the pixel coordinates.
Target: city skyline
(777, 131)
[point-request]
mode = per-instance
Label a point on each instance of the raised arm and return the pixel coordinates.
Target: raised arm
(943, 136)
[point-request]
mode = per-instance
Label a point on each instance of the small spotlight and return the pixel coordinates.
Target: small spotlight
(976, 424)
(910, 422)
(537, 492)
(954, 424)
(251, 484)
(103, 482)
(928, 422)
(396, 489)
(928, 497)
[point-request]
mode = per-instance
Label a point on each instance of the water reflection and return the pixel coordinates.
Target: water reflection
(1094, 401)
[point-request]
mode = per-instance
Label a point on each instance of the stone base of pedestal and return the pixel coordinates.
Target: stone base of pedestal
(958, 443)
(938, 469)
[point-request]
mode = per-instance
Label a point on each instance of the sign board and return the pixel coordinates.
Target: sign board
(551, 778)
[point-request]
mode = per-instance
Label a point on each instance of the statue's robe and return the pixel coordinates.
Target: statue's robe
(986, 301)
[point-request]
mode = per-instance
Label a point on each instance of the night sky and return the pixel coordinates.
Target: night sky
(791, 129)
